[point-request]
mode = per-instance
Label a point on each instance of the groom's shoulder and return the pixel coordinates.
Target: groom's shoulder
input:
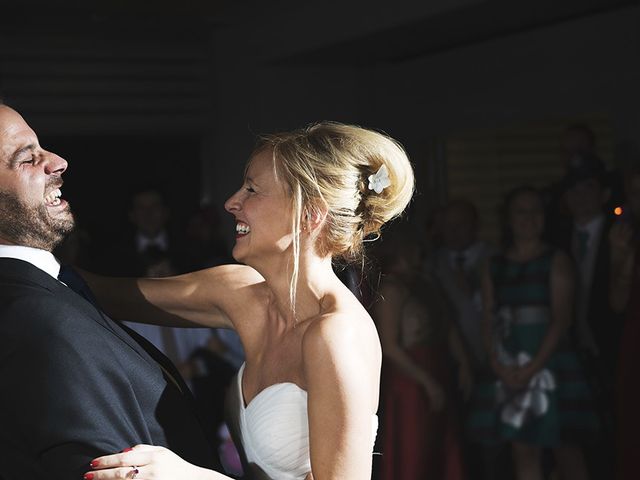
(37, 312)
(49, 334)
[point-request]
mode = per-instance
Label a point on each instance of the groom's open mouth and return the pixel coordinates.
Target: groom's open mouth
(53, 199)
(242, 229)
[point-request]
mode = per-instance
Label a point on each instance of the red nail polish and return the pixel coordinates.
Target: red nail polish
(88, 476)
(127, 450)
(94, 463)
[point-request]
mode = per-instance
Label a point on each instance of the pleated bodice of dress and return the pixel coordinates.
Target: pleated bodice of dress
(272, 431)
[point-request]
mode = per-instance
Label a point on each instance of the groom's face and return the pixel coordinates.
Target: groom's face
(32, 212)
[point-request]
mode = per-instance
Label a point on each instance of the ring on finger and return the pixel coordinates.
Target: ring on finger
(133, 473)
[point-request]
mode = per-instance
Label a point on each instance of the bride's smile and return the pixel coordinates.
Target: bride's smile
(260, 206)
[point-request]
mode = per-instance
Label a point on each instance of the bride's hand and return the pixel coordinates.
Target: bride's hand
(142, 462)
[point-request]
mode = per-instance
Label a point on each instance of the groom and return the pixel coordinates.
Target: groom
(74, 384)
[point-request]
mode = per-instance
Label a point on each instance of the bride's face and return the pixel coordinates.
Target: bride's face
(263, 212)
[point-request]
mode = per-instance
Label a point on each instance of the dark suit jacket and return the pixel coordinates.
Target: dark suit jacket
(76, 385)
(604, 322)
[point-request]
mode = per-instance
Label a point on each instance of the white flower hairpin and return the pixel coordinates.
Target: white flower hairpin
(379, 180)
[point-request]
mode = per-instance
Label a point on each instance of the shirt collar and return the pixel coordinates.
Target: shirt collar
(469, 254)
(593, 226)
(37, 257)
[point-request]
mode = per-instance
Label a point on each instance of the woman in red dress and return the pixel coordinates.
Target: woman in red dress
(419, 434)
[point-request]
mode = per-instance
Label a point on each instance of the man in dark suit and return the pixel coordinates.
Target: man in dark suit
(597, 326)
(138, 251)
(75, 384)
(586, 238)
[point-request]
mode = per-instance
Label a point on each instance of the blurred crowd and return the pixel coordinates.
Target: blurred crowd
(500, 361)
(516, 361)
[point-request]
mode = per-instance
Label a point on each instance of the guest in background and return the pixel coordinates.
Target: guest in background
(149, 218)
(625, 297)
(598, 327)
(456, 266)
(418, 337)
(578, 142)
(152, 251)
(586, 191)
(542, 397)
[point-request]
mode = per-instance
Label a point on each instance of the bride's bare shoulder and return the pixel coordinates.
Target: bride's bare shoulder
(342, 330)
(343, 349)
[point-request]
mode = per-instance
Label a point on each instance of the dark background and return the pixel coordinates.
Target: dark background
(133, 90)
(105, 170)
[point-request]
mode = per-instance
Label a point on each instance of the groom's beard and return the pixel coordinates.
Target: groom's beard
(32, 226)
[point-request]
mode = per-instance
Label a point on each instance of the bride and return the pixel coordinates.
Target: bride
(304, 405)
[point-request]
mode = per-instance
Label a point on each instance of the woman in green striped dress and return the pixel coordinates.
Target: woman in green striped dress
(540, 398)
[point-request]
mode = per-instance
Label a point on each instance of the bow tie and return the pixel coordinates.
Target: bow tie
(159, 242)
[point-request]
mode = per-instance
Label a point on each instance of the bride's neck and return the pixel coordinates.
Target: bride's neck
(315, 279)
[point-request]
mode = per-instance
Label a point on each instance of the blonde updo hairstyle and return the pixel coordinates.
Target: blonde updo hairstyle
(326, 166)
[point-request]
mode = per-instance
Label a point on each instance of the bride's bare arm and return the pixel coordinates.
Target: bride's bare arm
(201, 298)
(341, 364)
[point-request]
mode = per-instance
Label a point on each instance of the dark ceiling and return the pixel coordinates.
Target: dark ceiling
(471, 22)
(78, 14)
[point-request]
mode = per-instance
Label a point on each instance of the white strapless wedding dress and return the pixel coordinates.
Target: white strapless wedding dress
(274, 430)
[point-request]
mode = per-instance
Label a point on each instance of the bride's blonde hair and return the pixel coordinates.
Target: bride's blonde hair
(326, 166)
